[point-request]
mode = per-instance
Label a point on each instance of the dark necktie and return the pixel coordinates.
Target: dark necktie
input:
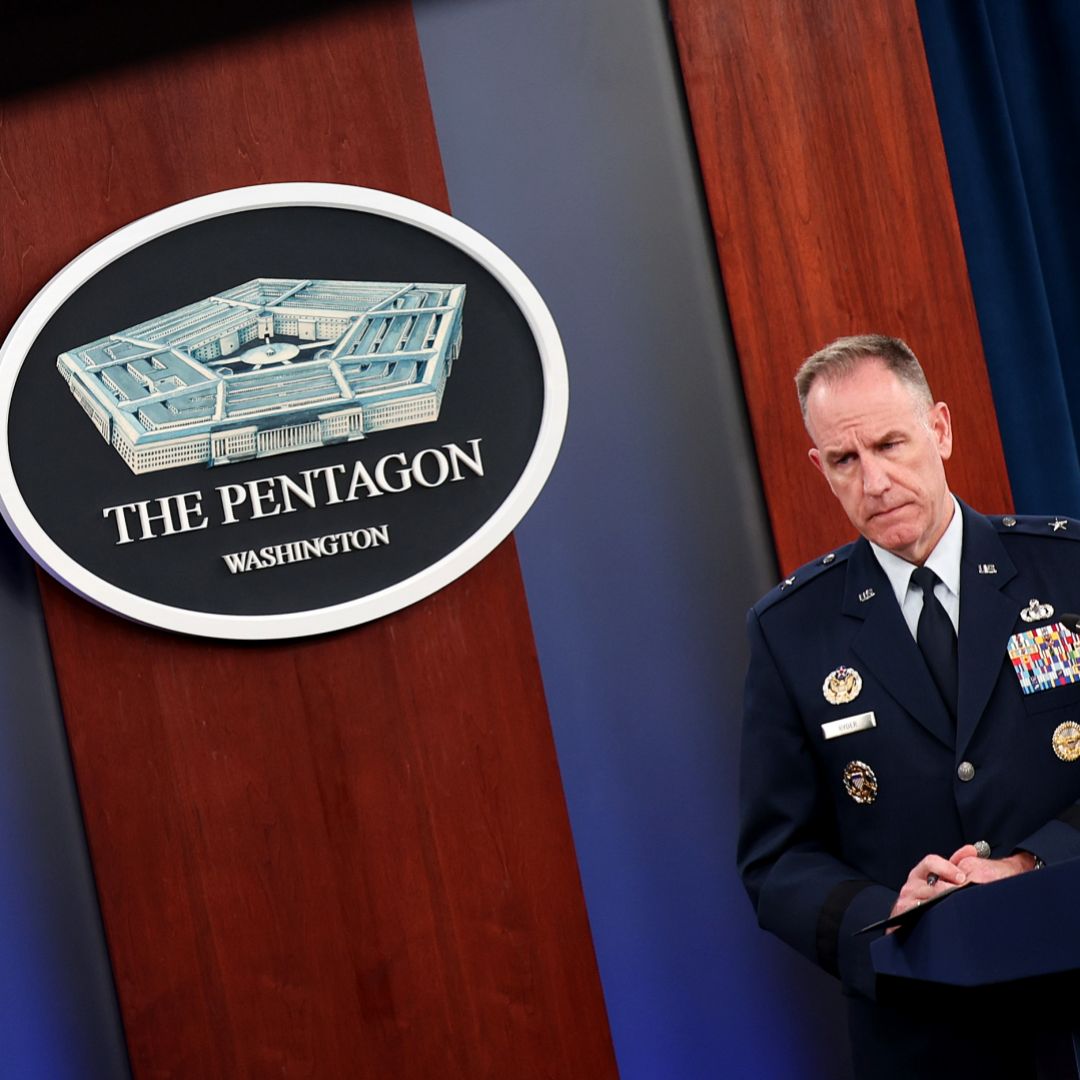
(937, 638)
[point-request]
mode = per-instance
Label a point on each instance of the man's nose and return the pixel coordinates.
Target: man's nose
(875, 477)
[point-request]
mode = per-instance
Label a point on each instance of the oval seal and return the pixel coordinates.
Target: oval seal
(277, 411)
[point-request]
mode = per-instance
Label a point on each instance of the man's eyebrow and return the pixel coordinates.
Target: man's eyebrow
(889, 436)
(837, 453)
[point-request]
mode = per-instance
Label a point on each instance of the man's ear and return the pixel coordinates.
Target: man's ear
(941, 426)
(815, 456)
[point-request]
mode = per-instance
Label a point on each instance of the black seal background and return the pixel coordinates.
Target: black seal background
(67, 473)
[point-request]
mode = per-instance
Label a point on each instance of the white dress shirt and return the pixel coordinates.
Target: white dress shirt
(944, 560)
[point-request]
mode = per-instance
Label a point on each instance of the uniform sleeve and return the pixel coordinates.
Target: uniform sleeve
(1058, 839)
(801, 891)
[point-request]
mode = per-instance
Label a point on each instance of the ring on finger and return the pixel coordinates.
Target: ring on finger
(932, 878)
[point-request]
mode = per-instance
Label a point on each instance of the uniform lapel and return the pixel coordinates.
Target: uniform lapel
(987, 617)
(885, 645)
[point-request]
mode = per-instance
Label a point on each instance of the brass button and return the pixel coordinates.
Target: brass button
(966, 771)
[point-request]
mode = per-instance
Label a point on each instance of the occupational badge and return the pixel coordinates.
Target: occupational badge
(1036, 612)
(860, 782)
(842, 685)
(1066, 740)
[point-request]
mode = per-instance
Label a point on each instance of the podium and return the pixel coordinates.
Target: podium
(1015, 942)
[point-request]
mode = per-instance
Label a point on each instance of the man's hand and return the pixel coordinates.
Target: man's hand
(986, 870)
(931, 876)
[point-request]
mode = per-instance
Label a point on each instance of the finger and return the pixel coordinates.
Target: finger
(980, 872)
(904, 902)
(945, 871)
(984, 871)
(966, 852)
(916, 891)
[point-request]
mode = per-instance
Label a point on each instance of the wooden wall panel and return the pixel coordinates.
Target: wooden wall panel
(830, 199)
(341, 857)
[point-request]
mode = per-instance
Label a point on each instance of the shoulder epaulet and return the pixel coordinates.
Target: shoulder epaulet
(1059, 527)
(805, 573)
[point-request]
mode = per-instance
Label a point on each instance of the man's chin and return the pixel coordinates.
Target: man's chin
(894, 538)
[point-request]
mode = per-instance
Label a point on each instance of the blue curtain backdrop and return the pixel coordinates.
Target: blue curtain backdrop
(1006, 76)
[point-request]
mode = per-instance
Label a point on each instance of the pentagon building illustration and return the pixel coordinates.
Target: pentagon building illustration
(269, 367)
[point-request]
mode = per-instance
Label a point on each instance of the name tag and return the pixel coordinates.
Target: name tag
(850, 724)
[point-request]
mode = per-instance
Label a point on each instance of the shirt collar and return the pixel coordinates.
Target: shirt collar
(944, 560)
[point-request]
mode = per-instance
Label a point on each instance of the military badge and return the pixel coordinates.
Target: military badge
(842, 685)
(1045, 657)
(1036, 612)
(1066, 740)
(860, 782)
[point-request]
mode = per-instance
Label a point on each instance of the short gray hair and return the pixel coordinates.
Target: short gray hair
(842, 356)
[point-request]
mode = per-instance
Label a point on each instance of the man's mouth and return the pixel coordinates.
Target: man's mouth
(885, 513)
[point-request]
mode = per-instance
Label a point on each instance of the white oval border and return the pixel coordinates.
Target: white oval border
(318, 620)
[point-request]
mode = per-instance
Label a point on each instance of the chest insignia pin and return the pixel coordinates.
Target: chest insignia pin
(842, 685)
(987, 568)
(865, 595)
(1066, 740)
(1036, 611)
(860, 782)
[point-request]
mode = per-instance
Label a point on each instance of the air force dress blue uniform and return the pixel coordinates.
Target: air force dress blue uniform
(831, 827)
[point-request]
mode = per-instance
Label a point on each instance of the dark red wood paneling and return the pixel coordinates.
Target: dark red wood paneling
(830, 199)
(342, 857)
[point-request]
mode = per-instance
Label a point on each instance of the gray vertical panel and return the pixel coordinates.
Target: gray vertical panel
(564, 139)
(58, 1011)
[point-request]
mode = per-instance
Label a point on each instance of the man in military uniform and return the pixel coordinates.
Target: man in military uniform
(910, 717)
